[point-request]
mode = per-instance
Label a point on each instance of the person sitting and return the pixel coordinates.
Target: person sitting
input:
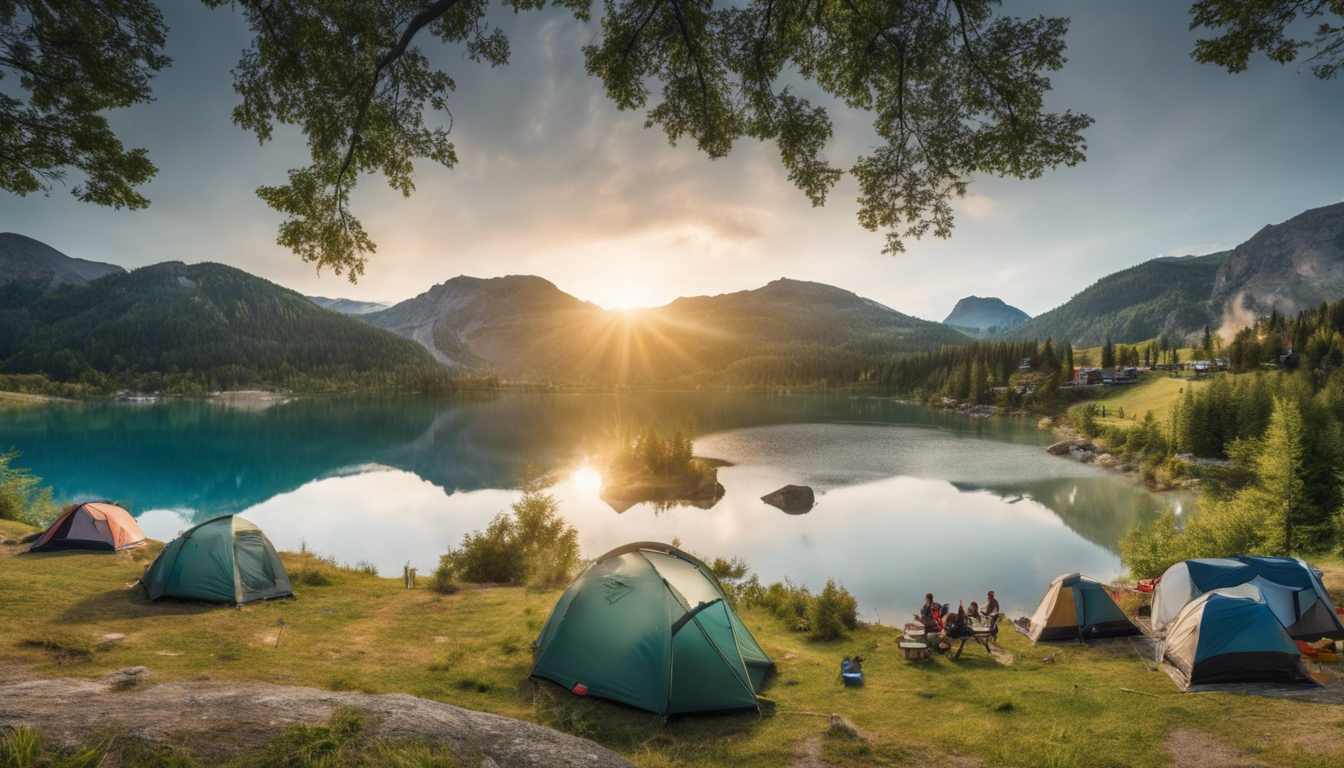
(955, 624)
(928, 614)
(973, 613)
(991, 606)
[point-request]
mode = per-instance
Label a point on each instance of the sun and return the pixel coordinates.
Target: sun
(586, 478)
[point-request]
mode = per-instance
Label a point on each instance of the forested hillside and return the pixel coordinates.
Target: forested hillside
(1162, 296)
(199, 327)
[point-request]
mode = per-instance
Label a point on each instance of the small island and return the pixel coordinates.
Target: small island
(660, 470)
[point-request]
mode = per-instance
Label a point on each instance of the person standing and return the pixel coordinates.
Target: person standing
(991, 606)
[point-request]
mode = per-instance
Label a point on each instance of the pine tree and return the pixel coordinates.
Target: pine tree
(1108, 354)
(1279, 488)
(979, 391)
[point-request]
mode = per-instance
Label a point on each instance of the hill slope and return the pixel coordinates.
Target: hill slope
(975, 314)
(24, 259)
(1289, 267)
(222, 326)
(526, 327)
(1165, 295)
(347, 306)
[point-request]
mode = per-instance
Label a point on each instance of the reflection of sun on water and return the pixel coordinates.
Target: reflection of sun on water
(587, 479)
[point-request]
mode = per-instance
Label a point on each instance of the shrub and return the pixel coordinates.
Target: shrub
(1085, 418)
(367, 568)
(441, 580)
(1148, 552)
(788, 601)
(21, 497)
(832, 612)
(533, 545)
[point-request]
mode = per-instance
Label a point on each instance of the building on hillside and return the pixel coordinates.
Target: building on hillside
(1086, 376)
(1024, 364)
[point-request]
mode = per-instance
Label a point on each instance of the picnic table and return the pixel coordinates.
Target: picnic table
(918, 634)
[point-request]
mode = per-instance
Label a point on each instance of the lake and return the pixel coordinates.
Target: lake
(908, 499)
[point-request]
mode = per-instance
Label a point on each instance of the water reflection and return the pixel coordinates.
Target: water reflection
(907, 500)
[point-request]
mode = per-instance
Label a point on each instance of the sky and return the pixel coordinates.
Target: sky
(553, 180)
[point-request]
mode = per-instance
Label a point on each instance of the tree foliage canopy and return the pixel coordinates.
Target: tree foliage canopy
(1247, 26)
(73, 61)
(955, 90)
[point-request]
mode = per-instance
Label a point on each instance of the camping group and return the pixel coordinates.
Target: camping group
(651, 626)
(646, 624)
(1217, 620)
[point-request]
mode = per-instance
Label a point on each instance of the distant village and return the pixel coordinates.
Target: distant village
(1122, 375)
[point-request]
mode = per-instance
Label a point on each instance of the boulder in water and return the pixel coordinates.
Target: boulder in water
(793, 499)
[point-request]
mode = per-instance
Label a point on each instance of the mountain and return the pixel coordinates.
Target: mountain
(209, 324)
(525, 327)
(347, 306)
(1164, 295)
(988, 315)
(27, 260)
(1289, 267)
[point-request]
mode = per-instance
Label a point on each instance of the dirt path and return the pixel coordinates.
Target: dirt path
(1196, 749)
(227, 719)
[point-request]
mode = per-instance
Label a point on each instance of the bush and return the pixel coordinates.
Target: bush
(533, 546)
(788, 601)
(832, 612)
(1148, 552)
(441, 580)
(1085, 418)
(21, 497)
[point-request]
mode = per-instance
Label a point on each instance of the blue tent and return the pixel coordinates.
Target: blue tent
(1230, 635)
(1287, 585)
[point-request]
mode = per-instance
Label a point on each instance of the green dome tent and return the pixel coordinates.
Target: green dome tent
(226, 559)
(650, 626)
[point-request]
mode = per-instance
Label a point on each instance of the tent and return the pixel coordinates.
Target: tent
(95, 525)
(226, 559)
(1230, 635)
(1289, 587)
(1078, 606)
(650, 626)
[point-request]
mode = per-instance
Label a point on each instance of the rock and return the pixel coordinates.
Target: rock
(123, 679)
(842, 728)
(171, 712)
(1062, 447)
(793, 499)
(1071, 445)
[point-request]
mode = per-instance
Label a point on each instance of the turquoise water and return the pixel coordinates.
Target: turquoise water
(909, 500)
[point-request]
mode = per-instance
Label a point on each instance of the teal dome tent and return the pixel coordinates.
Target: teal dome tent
(1231, 635)
(225, 560)
(650, 626)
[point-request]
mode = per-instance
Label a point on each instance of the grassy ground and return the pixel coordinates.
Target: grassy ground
(361, 632)
(22, 400)
(1156, 391)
